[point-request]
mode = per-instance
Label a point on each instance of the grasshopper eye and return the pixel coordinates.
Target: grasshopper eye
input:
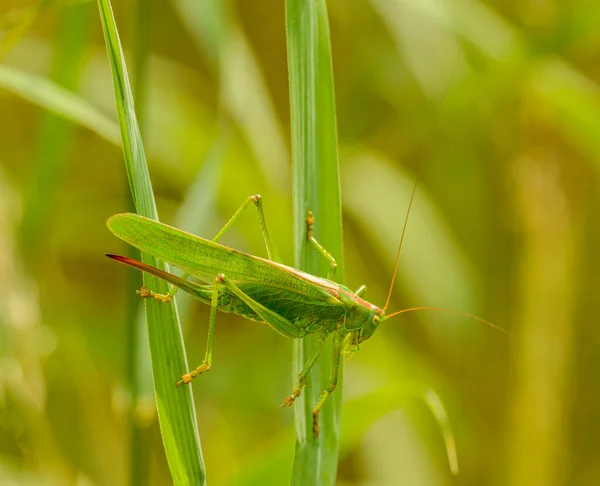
(376, 320)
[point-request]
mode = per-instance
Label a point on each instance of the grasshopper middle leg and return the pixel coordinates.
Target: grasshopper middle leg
(207, 363)
(310, 222)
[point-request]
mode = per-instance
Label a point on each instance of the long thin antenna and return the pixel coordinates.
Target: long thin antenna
(414, 190)
(412, 198)
(451, 311)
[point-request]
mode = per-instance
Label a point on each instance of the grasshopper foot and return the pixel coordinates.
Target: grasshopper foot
(145, 293)
(188, 377)
(287, 401)
(310, 222)
(316, 424)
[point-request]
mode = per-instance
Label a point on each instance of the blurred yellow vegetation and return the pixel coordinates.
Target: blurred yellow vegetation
(497, 101)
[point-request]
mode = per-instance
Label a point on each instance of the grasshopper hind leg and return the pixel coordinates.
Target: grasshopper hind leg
(271, 251)
(207, 363)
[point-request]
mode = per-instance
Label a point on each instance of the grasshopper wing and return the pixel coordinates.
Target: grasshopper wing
(205, 259)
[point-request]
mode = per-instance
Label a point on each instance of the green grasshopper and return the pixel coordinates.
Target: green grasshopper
(292, 302)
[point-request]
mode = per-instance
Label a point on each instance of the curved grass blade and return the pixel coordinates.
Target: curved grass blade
(360, 413)
(244, 91)
(47, 94)
(137, 365)
(316, 188)
(199, 200)
(175, 407)
(55, 134)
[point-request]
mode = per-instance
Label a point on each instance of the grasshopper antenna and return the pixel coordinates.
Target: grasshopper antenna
(414, 190)
(412, 198)
(450, 311)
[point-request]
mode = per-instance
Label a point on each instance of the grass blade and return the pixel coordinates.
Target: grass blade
(51, 155)
(58, 100)
(316, 188)
(175, 406)
(137, 368)
(244, 91)
(199, 200)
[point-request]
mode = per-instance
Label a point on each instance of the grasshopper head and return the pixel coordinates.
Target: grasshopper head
(376, 317)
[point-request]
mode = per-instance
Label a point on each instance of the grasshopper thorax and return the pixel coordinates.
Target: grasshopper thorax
(361, 317)
(375, 318)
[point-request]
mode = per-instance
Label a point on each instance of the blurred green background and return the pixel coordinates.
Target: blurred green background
(497, 101)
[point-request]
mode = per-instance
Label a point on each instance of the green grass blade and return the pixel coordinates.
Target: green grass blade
(316, 188)
(364, 411)
(244, 92)
(137, 366)
(199, 200)
(58, 100)
(54, 137)
(175, 406)
(360, 414)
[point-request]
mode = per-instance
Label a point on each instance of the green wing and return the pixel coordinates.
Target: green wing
(298, 296)
(307, 315)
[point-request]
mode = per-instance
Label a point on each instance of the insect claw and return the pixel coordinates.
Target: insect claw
(288, 401)
(310, 222)
(188, 377)
(145, 293)
(185, 379)
(316, 425)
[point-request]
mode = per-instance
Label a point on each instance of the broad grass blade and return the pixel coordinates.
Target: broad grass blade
(175, 406)
(47, 94)
(316, 188)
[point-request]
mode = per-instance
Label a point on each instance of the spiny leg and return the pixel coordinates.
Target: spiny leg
(271, 251)
(207, 363)
(338, 347)
(146, 293)
(287, 402)
(310, 222)
(257, 200)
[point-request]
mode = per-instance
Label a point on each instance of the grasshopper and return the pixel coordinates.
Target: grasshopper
(293, 303)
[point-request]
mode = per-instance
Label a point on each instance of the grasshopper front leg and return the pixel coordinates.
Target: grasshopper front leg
(207, 363)
(289, 400)
(338, 348)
